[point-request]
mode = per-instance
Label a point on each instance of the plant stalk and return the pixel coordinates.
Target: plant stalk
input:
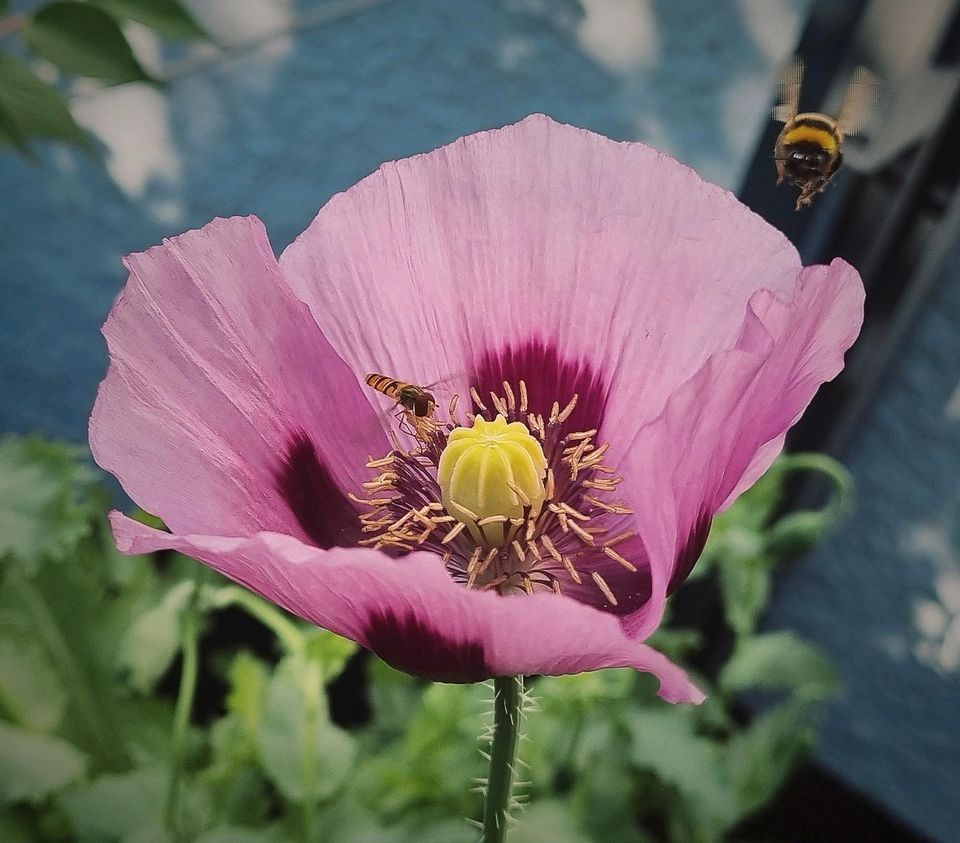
(507, 710)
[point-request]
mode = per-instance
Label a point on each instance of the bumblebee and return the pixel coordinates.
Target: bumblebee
(415, 399)
(809, 149)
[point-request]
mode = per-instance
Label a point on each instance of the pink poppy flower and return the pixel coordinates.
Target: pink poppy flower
(655, 337)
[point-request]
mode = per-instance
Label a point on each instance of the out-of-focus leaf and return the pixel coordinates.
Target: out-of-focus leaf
(33, 766)
(547, 821)
(153, 640)
(762, 756)
(167, 17)
(241, 834)
(82, 39)
(304, 754)
(15, 828)
(780, 660)
(745, 591)
(665, 742)
(40, 512)
(130, 806)
(676, 644)
(330, 651)
(31, 693)
(394, 697)
(798, 533)
(248, 684)
(11, 134)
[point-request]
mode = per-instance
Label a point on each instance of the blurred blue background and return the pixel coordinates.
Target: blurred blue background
(308, 96)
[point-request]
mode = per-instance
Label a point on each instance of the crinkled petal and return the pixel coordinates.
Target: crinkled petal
(224, 409)
(727, 422)
(538, 234)
(414, 615)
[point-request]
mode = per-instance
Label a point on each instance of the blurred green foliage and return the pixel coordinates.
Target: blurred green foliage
(74, 39)
(96, 744)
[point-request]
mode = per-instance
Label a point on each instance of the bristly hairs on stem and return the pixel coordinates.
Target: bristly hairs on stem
(502, 734)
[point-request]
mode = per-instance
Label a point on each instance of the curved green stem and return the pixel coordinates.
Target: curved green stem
(291, 637)
(507, 709)
(187, 691)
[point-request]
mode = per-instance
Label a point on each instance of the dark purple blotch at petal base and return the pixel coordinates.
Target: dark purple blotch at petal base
(323, 511)
(549, 377)
(410, 644)
(690, 551)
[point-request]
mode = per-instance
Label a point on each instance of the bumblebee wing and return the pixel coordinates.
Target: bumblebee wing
(859, 102)
(788, 91)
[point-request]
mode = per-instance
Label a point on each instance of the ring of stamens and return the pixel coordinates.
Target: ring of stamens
(403, 509)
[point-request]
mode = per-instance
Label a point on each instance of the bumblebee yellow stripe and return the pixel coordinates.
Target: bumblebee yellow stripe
(812, 134)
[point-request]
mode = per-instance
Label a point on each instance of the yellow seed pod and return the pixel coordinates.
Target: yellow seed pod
(491, 469)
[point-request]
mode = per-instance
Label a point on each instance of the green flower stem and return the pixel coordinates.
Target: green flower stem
(288, 633)
(507, 710)
(188, 686)
(80, 691)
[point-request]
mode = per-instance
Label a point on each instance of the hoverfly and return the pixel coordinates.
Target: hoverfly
(415, 399)
(808, 151)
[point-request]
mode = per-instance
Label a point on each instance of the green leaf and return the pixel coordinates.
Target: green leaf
(34, 766)
(10, 133)
(153, 640)
(130, 807)
(40, 511)
(31, 693)
(248, 686)
(547, 821)
(303, 753)
(665, 741)
(113, 806)
(762, 756)
(167, 17)
(240, 834)
(81, 39)
(780, 661)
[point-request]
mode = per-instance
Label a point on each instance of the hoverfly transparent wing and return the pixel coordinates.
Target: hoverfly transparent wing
(859, 102)
(788, 88)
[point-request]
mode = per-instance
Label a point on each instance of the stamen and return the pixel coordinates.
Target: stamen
(498, 404)
(616, 557)
(556, 587)
(523, 396)
(522, 495)
(551, 485)
(602, 585)
(583, 534)
(602, 485)
(620, 537)
(511, 400)
(554, 412)
(532, 547)
(469, 513)
(476, 399)
(403, 519)
(454, 401)
(551, 547)
(527, 584)
(573, 512)
(370, 501)
(481, 569)
(492, 519)
(380, 463)
(573, 572)
(566, 411)
(615, 508)
(455, 531)
(496, 583)
(583, 434)
(518, 549)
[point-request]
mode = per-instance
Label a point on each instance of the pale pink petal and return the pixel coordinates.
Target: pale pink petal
(729, 419)
(607, 255)
(224, 409)
(413, 615)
